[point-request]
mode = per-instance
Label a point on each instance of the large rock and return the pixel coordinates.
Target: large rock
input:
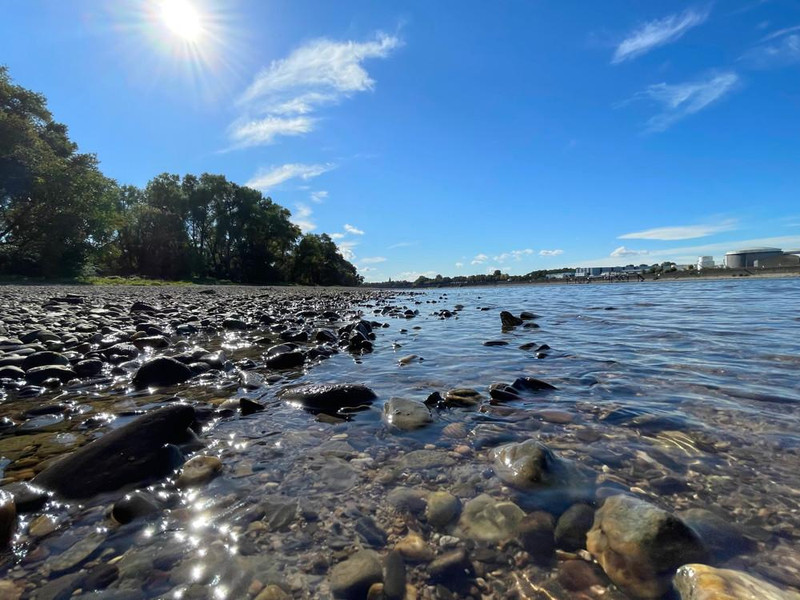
(406, 414)
(352, 578)
(640, 546)
(162, 371)
(330, 397)
(508, 320)
(701, 582)
(531, 466)
(723, 537)
(138, 452)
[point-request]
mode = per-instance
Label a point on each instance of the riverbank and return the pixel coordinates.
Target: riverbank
(273, 443)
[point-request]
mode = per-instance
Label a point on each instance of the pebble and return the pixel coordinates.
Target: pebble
(414, 548)
(198, 470)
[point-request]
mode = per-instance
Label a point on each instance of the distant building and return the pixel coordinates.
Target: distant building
(705, 262)
(752, 257)
(562, 275)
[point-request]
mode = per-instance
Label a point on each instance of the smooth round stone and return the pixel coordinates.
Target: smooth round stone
(134, 506)
(198, 470)
(45, 358)
(414, 548)
(38, 375)
(272, 592)
(162, 371)
(465, 397)
(42, 526)
(572, 527)
(405, 414)
(352, 578)
(536, 532)
(486, 519)
(443, 508)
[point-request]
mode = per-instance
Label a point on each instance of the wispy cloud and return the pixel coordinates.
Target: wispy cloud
(459, 265)
(301, 218)
(657, 33)
(623, 251)
(513, 254)
(479, 259)
(681, 232)
(373, 260)
(266, 179)
(346, 249)
(413, 275)
(557, 252)
(683, 99)
(319, 196)
(354, 230)
(258, 132)
(778, 49)
(337, 236)
(282, 98)
(401, 245)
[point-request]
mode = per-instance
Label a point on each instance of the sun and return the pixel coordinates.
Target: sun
(182, 19)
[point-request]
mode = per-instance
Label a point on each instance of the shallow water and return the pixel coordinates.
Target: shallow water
(697, 380)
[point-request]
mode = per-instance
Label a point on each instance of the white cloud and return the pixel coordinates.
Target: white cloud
(282, 98)
(266, 179)
(657, 33)
(515, 254)
(557, 252)
(459, 265)
(257, 132)
(623, 251)
(301, 218)
(337, 236)
(684, 99)
(479, 259)
(346, 249)
(354, 230)
(319, 196)
(372, 260)
(684, 232)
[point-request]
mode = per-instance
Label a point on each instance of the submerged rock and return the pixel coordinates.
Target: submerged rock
(352, 578)
(531, 466)
(572, 527)
(198, 470)
(640, 545)
(442, 509)
(465, 397)
(722, 537)
(330, 397)
(488, 520)
(406, 414)
(701, 582)
(138, 452)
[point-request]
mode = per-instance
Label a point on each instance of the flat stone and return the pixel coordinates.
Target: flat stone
(138, 452)
(353, 577)
(427, 459)
(723, 537)
(77, 554)
(486, 519)
(323, 397)
(701, 582)
(199, 470)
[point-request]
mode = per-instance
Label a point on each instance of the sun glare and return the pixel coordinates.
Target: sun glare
(182, 19)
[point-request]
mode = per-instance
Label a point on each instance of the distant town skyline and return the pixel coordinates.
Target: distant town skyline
(447, 138)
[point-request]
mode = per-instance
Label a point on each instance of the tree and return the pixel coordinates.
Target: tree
(318, 262)
(56, 207)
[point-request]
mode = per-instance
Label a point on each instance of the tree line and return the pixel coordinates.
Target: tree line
(61, 217)
(497, 277)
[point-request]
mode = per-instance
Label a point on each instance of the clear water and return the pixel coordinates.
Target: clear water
(708, 369)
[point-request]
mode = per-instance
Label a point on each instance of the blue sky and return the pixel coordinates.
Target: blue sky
(447, 137)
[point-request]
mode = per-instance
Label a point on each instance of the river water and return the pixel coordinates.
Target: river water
(686, 393)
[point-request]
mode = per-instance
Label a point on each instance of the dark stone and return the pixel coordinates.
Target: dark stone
(133, 506)
(536, 532)
(162, 371)
(495, 343)
(451, 566)
(394, 581)
(503, 391)
(11, 372)
(324, 397)
(723, 537)
(89, 367)
(352, 578)
(38, 375)
(528, 316)
(138, 452)
(370, 532)
(531, 384)
(285, 360)
(27, 498)
(508, 320)
(572, 527)
(101, 577)
(41, 359)
(248, 407)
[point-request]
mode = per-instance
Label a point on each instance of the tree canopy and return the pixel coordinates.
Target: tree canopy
(59, 215)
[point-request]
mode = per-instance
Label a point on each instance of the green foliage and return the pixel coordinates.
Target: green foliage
(61, 217)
